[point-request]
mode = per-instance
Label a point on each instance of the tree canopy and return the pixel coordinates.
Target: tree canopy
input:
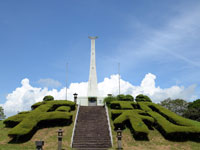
(179, 106)
(2, 115)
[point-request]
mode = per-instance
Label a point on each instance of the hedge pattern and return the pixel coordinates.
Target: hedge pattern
(44, 114)
(142, 116)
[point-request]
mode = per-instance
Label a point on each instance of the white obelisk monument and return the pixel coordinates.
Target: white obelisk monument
(92, 83)
(93, 98)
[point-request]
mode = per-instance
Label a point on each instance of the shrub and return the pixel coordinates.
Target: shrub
(26, 123)
(123, 97)
(121, 105)
(142, 98)
(48, 98)
(64, 108)
(109, 99)
(170, 125)
(129, 98)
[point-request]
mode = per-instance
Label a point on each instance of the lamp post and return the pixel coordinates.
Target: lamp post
(75, 97)
(60, 134)
(39, 145)
(119, 139)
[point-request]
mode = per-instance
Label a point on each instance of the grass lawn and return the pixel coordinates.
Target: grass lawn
(48, 135)
(156, 141)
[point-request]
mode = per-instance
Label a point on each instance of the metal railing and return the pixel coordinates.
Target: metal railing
(108, 119)
(72, 138)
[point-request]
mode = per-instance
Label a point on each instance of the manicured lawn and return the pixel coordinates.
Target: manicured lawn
(49, 135)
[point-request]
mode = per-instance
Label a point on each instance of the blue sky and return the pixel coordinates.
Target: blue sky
(38, 38)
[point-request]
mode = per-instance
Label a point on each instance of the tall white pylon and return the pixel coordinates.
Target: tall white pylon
(92, 83)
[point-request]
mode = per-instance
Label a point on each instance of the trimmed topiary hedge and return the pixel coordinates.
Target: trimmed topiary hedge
(142, 116)
(48, 98)
(122, 105)
(45, 114)
(64, 108)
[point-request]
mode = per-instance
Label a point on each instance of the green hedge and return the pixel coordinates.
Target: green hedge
(14, 120)
(122, 105)
(29, 123)
(64, 108)
(134, 121)
(47, 113)
(144, 115)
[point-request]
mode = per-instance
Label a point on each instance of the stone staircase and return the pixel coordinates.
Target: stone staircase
(92, 131)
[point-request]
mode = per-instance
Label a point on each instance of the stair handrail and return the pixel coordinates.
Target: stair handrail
(72, 138)
(108, 119)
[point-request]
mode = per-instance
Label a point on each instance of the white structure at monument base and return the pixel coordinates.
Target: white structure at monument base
(84, 101)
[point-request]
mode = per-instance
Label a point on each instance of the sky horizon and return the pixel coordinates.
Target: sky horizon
(156, 43)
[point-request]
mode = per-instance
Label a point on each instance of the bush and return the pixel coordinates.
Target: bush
(121, 105)
(170, 125)
(109, 99)
(26, 123)
(142, 98)
(64, 108)
(48, 98)
(123, 97)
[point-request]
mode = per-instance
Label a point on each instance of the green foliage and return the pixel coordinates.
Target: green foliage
(193, 110)
(179, 106)
(192, 113)
(129, 98)
(142, 98)
(64, 108)
(2, 115)
(142, 116)
(48, 98)
(48, 113)
(122, 105)
(123, 97)
(195, 104)
(109, 99)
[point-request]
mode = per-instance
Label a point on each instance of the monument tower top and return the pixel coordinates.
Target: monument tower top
(92, 37)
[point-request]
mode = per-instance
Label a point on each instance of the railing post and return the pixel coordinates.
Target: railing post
(39, 145)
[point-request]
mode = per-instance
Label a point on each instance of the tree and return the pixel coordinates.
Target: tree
(193, 110)
(48, 98)
(2, 115)
(142, 98)
(195, 104)
(179, 106)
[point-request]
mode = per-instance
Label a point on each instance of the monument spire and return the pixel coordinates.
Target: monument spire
(92, 83)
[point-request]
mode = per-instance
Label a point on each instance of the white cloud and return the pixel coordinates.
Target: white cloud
(49, 83)
(23, 97)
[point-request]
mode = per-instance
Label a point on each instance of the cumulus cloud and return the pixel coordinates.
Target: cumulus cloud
(49, 83)
(23, 97)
